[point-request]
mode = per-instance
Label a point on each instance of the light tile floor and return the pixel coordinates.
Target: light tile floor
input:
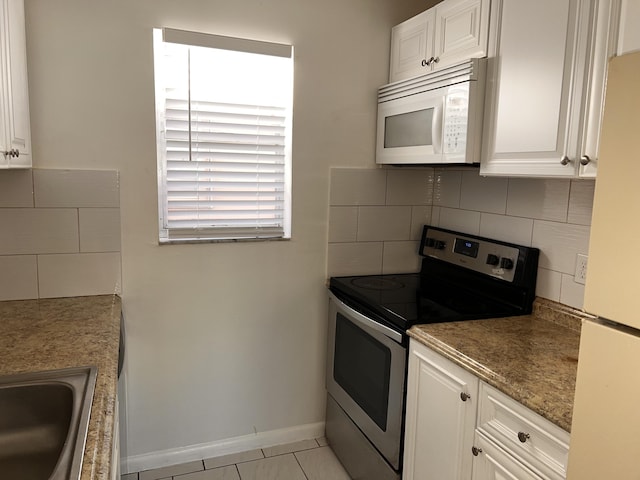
(305, 460)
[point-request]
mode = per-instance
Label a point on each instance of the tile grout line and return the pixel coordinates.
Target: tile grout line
(300, 465)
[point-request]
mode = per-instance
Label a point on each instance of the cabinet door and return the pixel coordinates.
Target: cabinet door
(441, 415)
(605, 28)
(536, 79)
(492, 463)
(461, 31)
(4, 59)
(15, 98)
(411, 42)
(115, 448)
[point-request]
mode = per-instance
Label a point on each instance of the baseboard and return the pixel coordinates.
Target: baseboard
(163, 458)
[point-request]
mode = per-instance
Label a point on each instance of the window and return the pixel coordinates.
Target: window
(223, 118)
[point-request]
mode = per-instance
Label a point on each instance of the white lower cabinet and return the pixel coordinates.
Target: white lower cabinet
(493, 463)
(441, 417)
(115, 449)
(458, 427)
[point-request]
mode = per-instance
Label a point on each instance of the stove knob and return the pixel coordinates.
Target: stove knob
(430, 242)
(439, 245)
(506, 263)
(493, 259)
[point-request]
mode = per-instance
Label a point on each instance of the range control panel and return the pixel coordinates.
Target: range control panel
(481, 255)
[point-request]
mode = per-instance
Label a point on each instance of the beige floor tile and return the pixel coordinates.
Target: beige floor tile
(289, 448)
(230, 459)
(282, 467)
(321, 464)
(222, 473)
(129, 476)
(322, 441)
(165, 472)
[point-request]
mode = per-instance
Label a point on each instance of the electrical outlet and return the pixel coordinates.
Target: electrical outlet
(581, 269)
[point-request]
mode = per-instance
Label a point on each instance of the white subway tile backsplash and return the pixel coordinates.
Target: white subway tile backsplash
(407, 186)
(548, 284)
(559, 243)
(38, 230)
(571, 293)
(79, 274)
(16, 188)
(99, 229)
(362, 258)
(581, 202)
(343, 224)
(484, 194)
(401, 257)
(384, 223)
(420, 216)
(18, 277)
(551, 214)
(76, 188)
(461, 220)
(357, 186)
(509, 229)
(544, 199)
(446, 188)
(48, 217)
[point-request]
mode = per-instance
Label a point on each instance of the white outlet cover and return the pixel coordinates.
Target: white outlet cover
(580, 275)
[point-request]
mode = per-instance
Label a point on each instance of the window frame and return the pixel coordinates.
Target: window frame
(168, 235)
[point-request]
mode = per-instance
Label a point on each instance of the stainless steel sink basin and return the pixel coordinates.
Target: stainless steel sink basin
(43, 423)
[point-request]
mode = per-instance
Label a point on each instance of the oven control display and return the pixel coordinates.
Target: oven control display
(466, 247)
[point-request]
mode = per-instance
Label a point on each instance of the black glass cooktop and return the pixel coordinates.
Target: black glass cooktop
(407, 299)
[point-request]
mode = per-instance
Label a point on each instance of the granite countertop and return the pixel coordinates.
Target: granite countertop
(48, 334)
(531, 358)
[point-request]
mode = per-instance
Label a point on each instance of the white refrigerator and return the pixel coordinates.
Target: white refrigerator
(605, 433)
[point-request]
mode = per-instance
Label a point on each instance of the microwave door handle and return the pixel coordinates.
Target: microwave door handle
(436, 128)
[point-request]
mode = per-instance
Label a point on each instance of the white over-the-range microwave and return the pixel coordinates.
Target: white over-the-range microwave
(435, 118)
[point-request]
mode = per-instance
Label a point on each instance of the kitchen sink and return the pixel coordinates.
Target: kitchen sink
(44, 418)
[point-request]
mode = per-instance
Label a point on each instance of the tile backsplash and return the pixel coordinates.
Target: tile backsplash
(60, 233)
(376, 217)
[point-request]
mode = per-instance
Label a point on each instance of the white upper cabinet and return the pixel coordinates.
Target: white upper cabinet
(449, 33)
(15, 130)
(629, 38)
(545, 78)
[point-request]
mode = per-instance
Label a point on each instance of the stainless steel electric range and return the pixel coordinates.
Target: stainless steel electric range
(463, 277)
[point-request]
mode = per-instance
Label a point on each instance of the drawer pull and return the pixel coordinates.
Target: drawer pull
(464, 396)
(523, 437)
(476, 451)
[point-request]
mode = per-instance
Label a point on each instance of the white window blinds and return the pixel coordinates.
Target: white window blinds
(224, 136)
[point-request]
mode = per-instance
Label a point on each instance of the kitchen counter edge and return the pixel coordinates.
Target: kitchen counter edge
(69, 332)
(532, 358)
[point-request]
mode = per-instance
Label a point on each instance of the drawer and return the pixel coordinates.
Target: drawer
(533, 439)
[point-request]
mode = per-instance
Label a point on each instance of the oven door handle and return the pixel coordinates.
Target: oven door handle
(366, 321)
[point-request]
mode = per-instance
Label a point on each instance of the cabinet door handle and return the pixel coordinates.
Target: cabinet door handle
(464, 396)
(585, 160)
(523, 437)
(476, 451)
(435, 60)
(565, 160)
(427, 63)
(13, 153)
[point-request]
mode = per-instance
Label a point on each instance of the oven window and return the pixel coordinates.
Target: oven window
(362, 367)
(410, 129)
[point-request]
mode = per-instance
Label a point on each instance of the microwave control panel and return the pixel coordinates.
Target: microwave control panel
(455, 119)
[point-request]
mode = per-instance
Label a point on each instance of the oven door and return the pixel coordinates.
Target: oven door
(366, 375)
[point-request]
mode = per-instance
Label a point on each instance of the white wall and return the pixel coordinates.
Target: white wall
(223, 339)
